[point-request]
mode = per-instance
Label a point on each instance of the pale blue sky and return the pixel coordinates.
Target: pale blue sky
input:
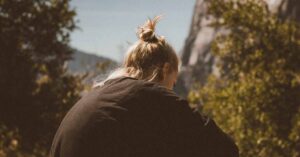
(108, 25)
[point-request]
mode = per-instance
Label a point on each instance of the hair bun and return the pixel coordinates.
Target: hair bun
(147, 31)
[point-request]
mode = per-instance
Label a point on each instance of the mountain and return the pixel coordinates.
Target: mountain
(82, 62)
(197, 60)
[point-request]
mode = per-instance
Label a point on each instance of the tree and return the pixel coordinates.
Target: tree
(35, 89)
(256, 96)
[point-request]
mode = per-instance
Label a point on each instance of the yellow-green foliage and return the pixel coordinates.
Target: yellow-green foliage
(256, 98)
(8, 141)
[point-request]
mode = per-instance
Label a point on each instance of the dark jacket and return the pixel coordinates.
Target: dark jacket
(127, 117)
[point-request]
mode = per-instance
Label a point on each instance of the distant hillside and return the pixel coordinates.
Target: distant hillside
(84, 62)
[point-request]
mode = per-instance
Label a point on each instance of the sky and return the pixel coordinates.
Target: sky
(108, 27)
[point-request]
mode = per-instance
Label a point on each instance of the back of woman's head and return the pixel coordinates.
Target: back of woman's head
(147, 57)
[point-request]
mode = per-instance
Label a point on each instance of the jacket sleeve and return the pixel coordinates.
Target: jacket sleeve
(200, 136)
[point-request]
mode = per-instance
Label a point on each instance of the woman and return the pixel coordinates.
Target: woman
(135, 113)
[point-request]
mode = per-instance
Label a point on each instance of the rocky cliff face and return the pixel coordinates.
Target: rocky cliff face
(197, 61)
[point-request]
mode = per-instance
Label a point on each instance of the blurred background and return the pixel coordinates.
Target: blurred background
(240, 65)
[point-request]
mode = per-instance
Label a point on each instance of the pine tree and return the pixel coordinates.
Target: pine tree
(35, 89)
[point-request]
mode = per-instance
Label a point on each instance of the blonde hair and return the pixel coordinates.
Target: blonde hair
(145, 59)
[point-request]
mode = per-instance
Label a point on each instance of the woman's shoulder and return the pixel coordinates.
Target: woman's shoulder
(159, 91)
(140, 85)
(133, 88)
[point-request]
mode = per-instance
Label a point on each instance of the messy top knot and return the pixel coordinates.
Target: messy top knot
(145, 59)
(147, 31)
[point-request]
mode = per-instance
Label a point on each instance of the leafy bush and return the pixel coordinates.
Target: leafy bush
(256, 95)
